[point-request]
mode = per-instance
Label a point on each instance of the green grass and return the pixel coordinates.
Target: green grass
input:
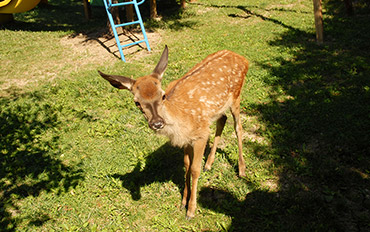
(76, 154)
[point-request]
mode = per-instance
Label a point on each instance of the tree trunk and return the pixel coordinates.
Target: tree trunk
(129, 12)
(183, 4)
(116, 19)
(87, 8)
(349, 7)
(115, 13)
(153, 9)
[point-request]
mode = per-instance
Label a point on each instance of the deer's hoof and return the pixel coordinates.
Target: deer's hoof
(189, 215)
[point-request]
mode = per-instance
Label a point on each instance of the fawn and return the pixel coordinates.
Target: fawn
(185, 111)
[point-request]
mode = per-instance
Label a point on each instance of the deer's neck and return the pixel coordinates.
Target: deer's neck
(177, 127)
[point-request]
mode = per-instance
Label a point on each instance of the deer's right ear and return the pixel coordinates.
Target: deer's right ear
(162, 64)
(119, 82)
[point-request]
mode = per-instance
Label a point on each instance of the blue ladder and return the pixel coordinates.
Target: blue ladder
(108, 6)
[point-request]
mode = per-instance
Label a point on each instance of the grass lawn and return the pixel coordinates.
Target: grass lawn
(77, 155)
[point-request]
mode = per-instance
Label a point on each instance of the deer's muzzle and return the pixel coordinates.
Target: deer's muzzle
(157, 124)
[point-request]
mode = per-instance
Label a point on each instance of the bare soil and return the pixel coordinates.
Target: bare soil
(101, 46)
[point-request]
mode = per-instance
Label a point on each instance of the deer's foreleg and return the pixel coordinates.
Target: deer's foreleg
(196, 165)
(188, 156)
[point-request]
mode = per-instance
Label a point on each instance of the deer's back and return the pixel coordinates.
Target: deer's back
(211, 86)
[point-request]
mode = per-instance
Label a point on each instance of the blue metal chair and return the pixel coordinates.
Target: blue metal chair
(108, 6)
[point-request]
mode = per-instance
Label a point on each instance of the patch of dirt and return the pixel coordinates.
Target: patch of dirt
(251, 128)
(102, 47)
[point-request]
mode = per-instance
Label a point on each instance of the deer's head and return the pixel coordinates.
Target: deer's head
(147, 91)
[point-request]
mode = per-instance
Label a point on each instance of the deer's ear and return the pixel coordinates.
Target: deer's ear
(119, 82)
(162, 64)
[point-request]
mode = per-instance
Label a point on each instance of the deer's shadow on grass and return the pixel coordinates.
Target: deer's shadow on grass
(164, 164)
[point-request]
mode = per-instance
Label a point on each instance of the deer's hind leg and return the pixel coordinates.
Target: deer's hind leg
(219, 128)
(235, 110)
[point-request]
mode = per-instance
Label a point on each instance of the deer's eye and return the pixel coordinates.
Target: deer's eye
(164, 97)
(137, 104)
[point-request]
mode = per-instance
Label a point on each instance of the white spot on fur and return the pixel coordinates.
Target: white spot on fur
(191, 93)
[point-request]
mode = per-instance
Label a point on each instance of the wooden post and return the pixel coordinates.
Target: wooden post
(318, 21)
(153, 9)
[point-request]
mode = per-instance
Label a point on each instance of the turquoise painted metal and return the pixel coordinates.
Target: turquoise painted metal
(108, 6)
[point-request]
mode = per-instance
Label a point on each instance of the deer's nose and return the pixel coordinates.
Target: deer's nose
(157, 125)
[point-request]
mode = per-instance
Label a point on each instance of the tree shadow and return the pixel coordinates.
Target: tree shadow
(58, 15)
(68, 16)
(163, 165)
(268, 211)
(171, 16)
(318, 122)
(29, 163)
(249, 12)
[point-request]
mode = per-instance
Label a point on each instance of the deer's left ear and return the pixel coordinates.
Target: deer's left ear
(119, 82)
(162, 64)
